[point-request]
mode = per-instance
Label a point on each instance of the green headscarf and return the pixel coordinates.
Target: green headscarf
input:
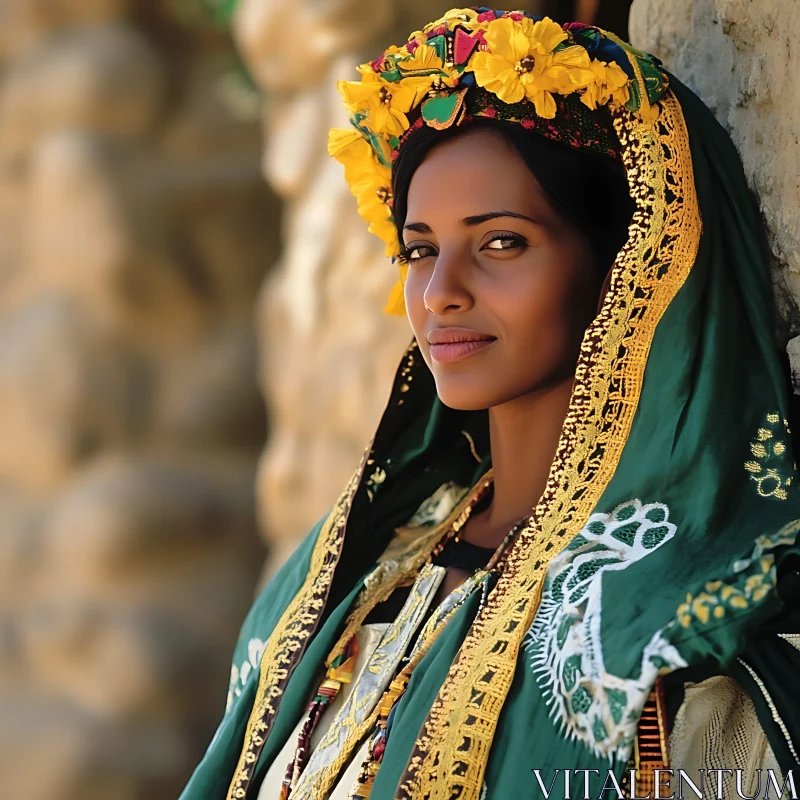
(670, 509)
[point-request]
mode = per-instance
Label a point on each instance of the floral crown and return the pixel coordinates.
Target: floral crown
(478, 62)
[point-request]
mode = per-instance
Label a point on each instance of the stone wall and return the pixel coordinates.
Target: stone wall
(135, 229)
(743, 59)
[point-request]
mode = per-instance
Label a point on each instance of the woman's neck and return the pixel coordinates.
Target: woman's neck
(524, 436)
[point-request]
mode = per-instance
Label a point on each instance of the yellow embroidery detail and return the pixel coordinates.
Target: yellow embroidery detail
(375, 480)
(753, 578)
(298, 621)
(450, 755)
(770, 467)
(286, 642)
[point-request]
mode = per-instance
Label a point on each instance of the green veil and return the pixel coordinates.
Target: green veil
(658, 549)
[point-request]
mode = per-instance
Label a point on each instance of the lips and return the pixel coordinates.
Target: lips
(450, 335)
(454, 344)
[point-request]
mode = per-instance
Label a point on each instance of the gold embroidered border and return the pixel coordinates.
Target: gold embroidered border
(361, 708)
(450, 754)
(287, 642)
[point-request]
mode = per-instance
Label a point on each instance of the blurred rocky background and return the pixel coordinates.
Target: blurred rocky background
(135, 230)
(192, 349)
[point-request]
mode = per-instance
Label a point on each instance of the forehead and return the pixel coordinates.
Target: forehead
(474, 173)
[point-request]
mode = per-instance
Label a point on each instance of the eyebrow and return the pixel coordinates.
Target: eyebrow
(478, 219)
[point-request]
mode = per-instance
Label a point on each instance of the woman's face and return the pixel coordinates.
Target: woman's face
(490, 259)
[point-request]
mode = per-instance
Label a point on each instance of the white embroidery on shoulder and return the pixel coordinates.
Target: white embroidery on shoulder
(564, 641)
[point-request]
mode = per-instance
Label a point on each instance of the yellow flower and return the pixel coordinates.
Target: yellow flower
(379, 216)
(386, 104)
(423, 70)
(611, 83)
(520, 63)
(354, 152)
(387, 63)
(343, 143)
(369, 181)
(401, 51)
(396, 304)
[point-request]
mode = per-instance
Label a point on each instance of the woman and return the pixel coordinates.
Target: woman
(570, 546)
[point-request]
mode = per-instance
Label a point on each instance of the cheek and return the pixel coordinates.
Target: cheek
(414, 295)
(544, 311)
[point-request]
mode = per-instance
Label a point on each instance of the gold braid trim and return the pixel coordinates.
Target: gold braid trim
(450, 754)
(287, 642)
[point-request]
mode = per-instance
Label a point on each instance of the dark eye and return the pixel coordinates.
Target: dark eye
(418, 252)
(505, 241)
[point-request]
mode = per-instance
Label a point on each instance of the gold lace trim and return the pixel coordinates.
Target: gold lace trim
(451, 751)
(286, 643)
(360, 710)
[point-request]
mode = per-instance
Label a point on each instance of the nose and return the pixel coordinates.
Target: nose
(448, 289)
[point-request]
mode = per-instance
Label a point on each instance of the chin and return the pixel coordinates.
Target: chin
(466, 392)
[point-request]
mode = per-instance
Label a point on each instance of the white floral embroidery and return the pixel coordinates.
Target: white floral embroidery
(564, 642)
(239, 675)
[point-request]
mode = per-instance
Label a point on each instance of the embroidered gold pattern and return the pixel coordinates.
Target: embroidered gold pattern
(286, 644)
(431, 630)
(771, 465)
(451, 751)
(360, 708)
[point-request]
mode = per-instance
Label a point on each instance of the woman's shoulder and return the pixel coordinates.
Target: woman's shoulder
(267, 608)
(745, 714)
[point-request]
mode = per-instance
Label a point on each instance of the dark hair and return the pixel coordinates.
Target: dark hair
(588, 189)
